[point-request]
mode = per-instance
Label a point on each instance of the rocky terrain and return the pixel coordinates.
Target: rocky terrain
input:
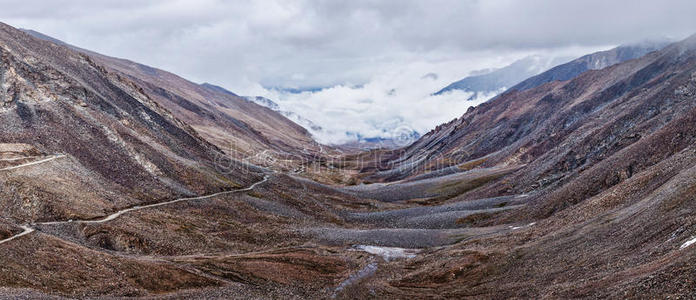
(231, 122)
(604, 158)
(117, 181)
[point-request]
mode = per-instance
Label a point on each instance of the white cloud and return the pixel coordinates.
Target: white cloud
(333, 42)
(393, 99)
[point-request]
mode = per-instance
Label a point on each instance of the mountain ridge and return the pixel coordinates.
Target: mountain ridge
(594, 61)
(606, 159)
(499, 79)
(227, 120)
(521, 76)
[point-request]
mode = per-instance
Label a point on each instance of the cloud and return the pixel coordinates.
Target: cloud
(319, 43)
(393, 100)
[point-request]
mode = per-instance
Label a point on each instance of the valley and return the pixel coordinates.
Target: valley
(122, 180)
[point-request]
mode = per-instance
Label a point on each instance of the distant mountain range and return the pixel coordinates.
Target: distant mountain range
(525, 73)
(296, 90)
(495, 80)
(594, 61)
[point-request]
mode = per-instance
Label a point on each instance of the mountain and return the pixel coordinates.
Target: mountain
(522, 74)
(494, 81)
(401, 137)
(268, 103)
(489, 131)
(231, 122)
(606, 162)
(109, 187)
(594, 61)
(63, 107)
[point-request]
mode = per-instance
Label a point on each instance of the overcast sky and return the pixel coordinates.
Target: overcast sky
(248, 45)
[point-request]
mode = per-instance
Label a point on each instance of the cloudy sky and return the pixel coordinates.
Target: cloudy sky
(371, 56)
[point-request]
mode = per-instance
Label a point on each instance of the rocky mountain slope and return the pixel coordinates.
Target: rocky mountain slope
(231, 122)
(594, 61)
(225, 119)
(508, 128)
(606, 161)
(107, 138)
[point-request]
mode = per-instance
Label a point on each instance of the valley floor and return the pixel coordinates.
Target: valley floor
(284, 236)
(256, 240)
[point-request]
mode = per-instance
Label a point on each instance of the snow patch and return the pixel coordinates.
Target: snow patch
(388, 253)
(518, 227)
(688, 243)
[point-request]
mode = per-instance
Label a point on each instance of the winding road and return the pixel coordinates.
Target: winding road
(27, 230)
(115, 215)
(57, 156)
